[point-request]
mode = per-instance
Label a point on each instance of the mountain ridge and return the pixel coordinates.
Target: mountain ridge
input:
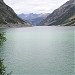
(8, 16)
(61, 15)
(33, 18)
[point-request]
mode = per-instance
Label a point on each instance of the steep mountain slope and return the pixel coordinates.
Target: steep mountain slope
(64, 15)
(8, 16)
(34, 19)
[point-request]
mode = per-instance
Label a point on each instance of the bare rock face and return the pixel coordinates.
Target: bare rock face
(72, 1)
(8, 16)
(64, 15)
(1, 0)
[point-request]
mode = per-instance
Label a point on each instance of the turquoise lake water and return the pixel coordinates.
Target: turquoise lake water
(39, 50)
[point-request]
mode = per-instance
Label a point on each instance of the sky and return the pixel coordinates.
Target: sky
(34, 6)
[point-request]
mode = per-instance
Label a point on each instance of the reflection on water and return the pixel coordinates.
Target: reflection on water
(39, 51)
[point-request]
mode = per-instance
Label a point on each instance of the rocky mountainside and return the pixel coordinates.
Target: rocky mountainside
(8, 16)
(34, 19)
(64, 15)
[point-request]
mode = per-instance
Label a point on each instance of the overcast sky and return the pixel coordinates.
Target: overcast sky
(34, 6)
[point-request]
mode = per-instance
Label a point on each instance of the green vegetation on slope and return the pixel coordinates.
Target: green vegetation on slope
(2, 66)
(2, 38)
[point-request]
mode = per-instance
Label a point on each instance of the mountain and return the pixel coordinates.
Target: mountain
(64, 15)
(8, 16)
(34, 19)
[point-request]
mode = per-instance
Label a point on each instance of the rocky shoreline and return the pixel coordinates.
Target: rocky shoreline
(14, 25)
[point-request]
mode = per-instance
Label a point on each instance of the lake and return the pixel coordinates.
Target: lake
(39, 50)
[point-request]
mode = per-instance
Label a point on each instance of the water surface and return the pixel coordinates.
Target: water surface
(39, 50)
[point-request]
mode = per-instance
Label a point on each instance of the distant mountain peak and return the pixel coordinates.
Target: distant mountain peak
(33, 18)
